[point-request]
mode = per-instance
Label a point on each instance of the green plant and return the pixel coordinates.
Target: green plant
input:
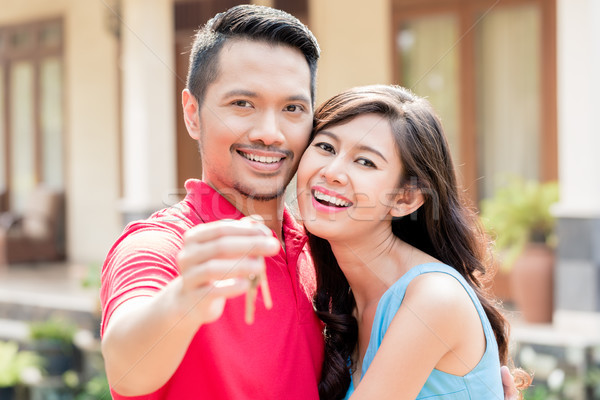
(519, 213)
(593, 381)
(13, 362)
(96, 388)
(92, 277)
(54, 329)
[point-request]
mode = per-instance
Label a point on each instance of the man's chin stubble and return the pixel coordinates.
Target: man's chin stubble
(258, 196)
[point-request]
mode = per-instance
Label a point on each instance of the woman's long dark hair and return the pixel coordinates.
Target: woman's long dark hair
(444, 227)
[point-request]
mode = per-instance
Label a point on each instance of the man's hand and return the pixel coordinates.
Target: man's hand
(218, 261)
(508, 384)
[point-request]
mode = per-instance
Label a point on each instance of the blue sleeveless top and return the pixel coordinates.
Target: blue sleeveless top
(482, 382)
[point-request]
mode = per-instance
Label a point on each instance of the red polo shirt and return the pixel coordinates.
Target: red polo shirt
(277, 357)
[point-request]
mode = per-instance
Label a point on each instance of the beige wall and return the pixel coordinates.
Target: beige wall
(91, 120)
(355, 39)
(578, 83)
(92, 93)
(148, 83)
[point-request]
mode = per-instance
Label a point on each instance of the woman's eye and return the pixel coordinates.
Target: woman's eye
(366, 162)
(325, 146)
(294, 108)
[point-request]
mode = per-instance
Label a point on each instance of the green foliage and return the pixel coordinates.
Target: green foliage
(519, 213)
(54, 329)
(13, 362)
(96, 388)
(93, 276)
(536, 393)
(593, 380)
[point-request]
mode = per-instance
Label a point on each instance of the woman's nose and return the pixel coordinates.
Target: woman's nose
(335, 171)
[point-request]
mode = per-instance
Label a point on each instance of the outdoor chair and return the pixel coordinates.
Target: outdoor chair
(37, 234)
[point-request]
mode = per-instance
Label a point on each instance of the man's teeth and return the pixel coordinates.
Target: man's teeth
(262, 159)
(331, 199)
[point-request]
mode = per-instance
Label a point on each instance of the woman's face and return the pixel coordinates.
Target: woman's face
(348, 177)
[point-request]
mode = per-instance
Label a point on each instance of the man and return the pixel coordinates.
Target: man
(174, 323)
(167, 329)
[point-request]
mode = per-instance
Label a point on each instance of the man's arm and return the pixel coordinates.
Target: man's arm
(147, 337)
(508, 384)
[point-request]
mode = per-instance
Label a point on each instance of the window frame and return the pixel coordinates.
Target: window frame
(467, 12)
(35, 53)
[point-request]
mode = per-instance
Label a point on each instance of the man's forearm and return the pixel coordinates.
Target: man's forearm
(144, 343)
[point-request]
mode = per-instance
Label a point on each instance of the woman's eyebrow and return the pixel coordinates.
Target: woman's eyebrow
(372, 150)
(363, 147)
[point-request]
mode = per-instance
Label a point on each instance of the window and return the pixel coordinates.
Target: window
(488, 68)
(31, 110)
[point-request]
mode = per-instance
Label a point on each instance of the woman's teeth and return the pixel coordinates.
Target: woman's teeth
(331, 200)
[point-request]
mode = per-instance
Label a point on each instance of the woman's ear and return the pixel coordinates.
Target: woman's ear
(191, 114)
(407, 201)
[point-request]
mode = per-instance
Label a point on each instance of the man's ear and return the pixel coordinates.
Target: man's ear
(407, 201)
(191, 114)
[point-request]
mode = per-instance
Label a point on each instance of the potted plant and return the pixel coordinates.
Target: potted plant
(53, 340)
(92, 280)
(14, 364)
(518, 217)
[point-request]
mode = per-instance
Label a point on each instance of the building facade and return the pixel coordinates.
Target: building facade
(91, 92)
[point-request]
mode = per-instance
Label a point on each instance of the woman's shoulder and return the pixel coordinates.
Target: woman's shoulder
(433, 289)
(432, 274)
(439, 286)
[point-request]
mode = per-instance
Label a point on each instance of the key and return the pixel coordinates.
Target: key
(255, 280)
(251, 298)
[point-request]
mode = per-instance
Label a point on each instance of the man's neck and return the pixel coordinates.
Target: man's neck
(271, 212)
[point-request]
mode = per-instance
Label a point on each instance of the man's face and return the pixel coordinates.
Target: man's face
(255, 120)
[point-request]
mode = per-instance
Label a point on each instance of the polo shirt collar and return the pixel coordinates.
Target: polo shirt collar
(211, 206)
(208, 203)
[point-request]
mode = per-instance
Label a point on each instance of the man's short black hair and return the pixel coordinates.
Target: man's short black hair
(249, 22)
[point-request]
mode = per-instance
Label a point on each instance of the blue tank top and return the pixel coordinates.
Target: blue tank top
(482, 382)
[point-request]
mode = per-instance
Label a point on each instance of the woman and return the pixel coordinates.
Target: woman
(398, 256)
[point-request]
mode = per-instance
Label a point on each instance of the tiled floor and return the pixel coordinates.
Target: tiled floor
(36, 291)
(57, 284)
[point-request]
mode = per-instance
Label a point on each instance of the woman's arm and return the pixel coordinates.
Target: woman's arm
(437, 325)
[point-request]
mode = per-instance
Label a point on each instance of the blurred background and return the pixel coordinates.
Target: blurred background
(92, 136)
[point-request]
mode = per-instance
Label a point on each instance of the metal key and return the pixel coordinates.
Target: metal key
(251, 298)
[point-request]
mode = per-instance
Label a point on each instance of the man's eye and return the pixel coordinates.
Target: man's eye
(366, 162)
(294, 108)
(325, 146)
(242, 103)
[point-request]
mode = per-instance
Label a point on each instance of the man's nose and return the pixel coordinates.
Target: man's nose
(267, 130)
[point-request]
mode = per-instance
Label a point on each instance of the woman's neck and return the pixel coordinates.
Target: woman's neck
(372, 264)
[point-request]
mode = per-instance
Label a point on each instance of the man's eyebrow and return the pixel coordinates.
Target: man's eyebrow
(240, 92)
(249, 93)
(363, 147)
(299, 97)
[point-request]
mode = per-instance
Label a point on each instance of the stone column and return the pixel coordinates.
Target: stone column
(577, 279)
(148, 83)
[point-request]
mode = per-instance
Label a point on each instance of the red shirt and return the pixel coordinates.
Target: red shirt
(277, 357)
